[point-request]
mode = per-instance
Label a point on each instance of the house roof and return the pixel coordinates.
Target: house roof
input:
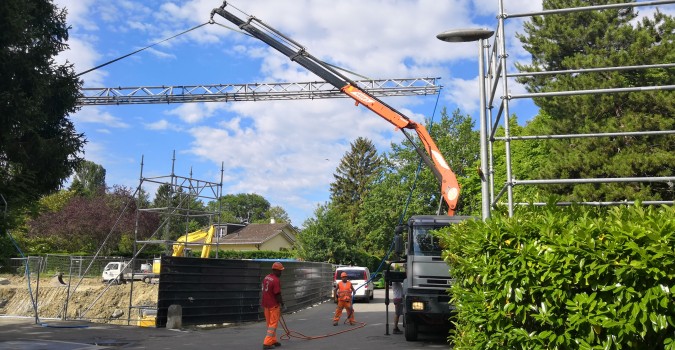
(259, 234)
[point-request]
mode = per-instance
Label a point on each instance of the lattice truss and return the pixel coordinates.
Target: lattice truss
(251, 92)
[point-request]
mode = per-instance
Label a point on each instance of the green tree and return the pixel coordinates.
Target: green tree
(143, 198)
(607, 38)
(244, 207)
(388, 202)
(278, 214)
(39, 147)
(527, 157)
(327, 237)
(89, 179)
(354, 176)
(183, 212)
(55, 201)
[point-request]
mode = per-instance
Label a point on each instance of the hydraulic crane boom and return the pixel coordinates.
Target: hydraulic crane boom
(433, 157)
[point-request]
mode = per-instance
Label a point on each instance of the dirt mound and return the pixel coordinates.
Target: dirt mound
(92, 300)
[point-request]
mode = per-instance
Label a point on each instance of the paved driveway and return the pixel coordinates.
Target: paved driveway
(23, 334)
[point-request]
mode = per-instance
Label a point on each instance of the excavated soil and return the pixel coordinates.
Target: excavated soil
(91, 300)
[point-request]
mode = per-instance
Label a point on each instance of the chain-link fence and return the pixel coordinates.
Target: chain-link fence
(68, 265)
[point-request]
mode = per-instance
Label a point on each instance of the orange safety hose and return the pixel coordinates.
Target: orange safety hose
(294, 334)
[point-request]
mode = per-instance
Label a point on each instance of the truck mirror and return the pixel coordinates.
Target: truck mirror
(398, 244)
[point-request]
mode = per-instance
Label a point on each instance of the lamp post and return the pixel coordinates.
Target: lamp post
(480, 35)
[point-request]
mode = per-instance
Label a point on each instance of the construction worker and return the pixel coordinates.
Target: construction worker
(344, 291)
(272, 304)
(397, 288)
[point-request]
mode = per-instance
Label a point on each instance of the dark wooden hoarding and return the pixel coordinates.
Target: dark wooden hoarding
(216, 291)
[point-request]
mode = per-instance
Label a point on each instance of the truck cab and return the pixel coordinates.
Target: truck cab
(427, 302)
(115, 271)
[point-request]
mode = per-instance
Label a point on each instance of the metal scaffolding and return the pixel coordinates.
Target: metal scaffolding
(183, 191)
(495, 74)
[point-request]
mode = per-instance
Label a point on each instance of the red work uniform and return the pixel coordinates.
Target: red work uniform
(344, 301)
(271, 286)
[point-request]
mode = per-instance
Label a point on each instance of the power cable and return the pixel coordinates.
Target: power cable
(294, 334)
(139, 50)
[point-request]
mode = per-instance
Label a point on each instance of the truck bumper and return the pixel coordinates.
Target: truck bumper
(431, 307)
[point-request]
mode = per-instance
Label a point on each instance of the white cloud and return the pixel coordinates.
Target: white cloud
(78, 13)
(84, 56)
(93, 114)
(464, 93)
(161, 125)
(195, 112)
(279, 149)
(95, 152)
(161, 54)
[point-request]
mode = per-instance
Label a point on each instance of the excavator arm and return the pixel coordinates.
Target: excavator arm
(431, 155)
(190, 238)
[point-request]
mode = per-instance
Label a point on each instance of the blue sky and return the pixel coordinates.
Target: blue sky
(285, 151)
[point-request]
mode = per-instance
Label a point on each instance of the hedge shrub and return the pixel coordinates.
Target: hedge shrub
(253, 254)
(565, 278)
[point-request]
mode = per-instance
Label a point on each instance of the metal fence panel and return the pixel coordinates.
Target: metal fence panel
(213, 291)
(77, 266)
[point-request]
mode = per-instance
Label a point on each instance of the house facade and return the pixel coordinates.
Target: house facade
(273, 236)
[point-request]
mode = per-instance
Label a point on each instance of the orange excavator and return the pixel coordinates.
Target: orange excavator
(432, 158)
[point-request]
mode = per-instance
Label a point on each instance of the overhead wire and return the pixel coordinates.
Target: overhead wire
(139, 50)
(211, 21)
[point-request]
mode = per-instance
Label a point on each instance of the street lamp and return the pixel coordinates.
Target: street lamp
(465, 35)
(480, 35)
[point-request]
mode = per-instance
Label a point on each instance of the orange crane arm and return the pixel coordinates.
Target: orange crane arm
(287, 46)
(443, 172)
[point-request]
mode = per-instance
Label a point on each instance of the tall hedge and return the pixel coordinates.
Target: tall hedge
(253, 254)
(565, 278)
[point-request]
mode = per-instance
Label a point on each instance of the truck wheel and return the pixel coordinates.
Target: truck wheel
(146, 279)
(410, 328)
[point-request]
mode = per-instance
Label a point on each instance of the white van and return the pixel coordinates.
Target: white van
(358, 276)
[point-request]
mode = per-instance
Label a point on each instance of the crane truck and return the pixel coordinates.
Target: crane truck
(427, 275)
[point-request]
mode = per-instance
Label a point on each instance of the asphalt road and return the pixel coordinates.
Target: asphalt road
(24, 334)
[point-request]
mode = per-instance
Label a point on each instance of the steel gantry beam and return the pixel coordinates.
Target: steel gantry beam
(251, 92)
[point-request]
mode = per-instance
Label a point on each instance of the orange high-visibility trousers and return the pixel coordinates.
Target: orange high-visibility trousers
(347, 305)
(272, 315)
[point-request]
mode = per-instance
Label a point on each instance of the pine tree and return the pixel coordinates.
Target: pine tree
(354, 176)
(39, 147)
